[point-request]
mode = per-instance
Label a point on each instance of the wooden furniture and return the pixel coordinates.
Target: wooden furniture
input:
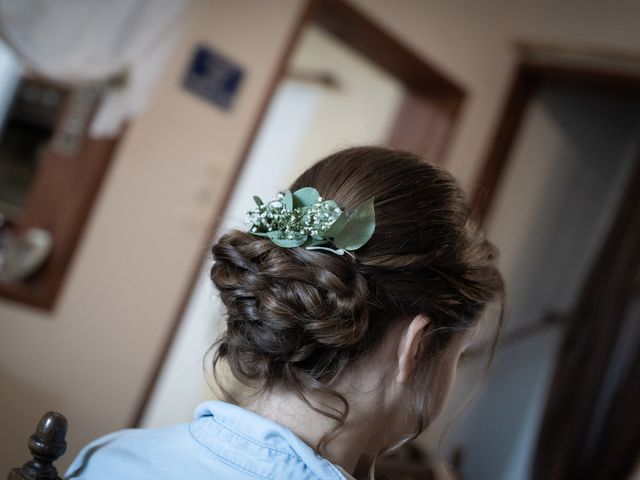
(46, 445)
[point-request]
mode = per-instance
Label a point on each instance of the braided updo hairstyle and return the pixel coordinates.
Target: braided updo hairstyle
(302, 318)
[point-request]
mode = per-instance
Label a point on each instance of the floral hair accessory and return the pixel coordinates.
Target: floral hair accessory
(304, 219)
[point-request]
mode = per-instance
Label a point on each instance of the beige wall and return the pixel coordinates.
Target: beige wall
(90, 359)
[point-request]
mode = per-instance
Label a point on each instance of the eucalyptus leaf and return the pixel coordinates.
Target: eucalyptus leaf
(336, 226)
(276, 237)
(289, 242)
(305, 197)
(358, 228)
(288, 200)
(258, 200)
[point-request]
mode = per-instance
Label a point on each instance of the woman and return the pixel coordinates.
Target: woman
(346, 318)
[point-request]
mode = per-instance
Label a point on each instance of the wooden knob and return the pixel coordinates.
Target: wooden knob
(46, 445)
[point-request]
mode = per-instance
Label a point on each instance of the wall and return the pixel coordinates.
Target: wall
(90, 358)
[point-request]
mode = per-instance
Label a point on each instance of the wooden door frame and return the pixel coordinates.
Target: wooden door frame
(531, 72)
(432, 98)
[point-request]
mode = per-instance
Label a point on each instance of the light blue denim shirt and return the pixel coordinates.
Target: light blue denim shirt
(224, 442)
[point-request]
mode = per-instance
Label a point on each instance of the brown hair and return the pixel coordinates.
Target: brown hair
(301, 318)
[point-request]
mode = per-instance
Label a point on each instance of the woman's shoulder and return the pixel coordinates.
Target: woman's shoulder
(133, 453)
(223, 441)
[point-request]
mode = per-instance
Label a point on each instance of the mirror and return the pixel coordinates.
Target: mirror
(29, 110)
(45, 151)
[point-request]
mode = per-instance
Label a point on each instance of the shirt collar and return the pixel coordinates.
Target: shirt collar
(268, 433)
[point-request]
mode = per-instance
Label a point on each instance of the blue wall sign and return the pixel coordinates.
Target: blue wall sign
(213, 77)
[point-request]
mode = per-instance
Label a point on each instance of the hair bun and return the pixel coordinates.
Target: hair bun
(286, 306)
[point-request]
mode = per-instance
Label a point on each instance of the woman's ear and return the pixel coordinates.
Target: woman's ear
(409, 347)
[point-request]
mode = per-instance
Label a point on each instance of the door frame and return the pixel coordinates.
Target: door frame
(610, 71)
(431, 107)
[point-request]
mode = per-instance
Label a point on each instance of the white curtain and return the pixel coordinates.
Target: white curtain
(85, 41)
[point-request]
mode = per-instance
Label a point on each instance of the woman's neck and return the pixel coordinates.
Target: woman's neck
(361, 431)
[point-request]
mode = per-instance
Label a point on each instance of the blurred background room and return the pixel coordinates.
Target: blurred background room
(132, 132)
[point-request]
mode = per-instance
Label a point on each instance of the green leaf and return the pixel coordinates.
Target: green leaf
(288, 200)
(358, 228)
(258, 200)
(260, 234)
(305, 197)
(336, 226)
(289, 242)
